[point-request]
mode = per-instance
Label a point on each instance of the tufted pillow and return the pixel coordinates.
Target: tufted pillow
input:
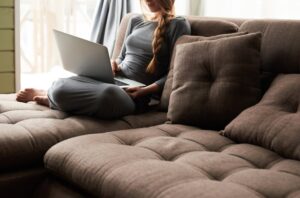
(164, 102)
(215, 80)
(274, 122)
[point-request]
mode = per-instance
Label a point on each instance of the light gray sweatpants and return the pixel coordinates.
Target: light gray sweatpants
(84, 96)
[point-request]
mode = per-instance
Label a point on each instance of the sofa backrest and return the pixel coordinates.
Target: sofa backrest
(203, 26)
(121, 35)
(280, 47)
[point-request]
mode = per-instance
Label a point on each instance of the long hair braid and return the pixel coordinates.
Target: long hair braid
(164, 17)
(158, 40)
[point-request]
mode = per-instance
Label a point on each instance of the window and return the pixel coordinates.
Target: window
(39, 57)
(280, 9)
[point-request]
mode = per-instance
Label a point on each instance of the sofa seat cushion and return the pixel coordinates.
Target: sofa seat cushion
(28, 130)
(274, 122)
(172, 161)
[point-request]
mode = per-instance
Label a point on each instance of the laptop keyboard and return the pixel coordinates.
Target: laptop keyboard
(119, 83)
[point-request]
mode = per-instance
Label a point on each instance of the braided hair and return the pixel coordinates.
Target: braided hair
(165, 15)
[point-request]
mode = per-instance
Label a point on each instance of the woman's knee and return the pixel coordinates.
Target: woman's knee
(115, 101)
(57, 92)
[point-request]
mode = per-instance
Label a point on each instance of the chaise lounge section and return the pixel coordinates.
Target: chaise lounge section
(256, 153)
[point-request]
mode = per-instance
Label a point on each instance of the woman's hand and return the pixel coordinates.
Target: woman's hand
(136, 92)
(115, 67)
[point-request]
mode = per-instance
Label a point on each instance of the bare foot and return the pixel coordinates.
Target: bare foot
(42, 100)
(28, 94)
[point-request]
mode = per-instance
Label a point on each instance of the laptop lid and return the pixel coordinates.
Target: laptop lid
(83, 57)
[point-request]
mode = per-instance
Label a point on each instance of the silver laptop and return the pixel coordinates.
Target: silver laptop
(89, 59)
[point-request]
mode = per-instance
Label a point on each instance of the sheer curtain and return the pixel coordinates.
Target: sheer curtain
(107, 19)
(39, 57)
(280, 9)
(189, 7)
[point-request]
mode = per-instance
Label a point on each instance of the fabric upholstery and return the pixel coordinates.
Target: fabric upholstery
(121, 35)
(280, 44)
(197, 19)
(28, 130)
(211, 27)
(215, 80)
(53, 188)
(21, 183)
(172, 161)
(164, 102)
(274, 122)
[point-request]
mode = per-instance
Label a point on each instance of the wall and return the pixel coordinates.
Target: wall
(7, 49)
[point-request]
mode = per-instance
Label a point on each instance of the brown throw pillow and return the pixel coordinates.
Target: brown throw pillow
(274, 122)
(164, 101)
(215, 80)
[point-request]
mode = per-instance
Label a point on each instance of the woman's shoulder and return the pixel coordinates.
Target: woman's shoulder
(179, 22)
(136, 19)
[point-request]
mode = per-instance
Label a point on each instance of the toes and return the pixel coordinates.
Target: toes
(20, 99)
(22, 96)
(36, 98)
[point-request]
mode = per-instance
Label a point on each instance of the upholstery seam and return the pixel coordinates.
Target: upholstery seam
(32, 139)
(250, 189)
(112, 169)
(160, 157)
(166, 132)
(209, 176)
(256, 166)
(185, 153)
(242, 186)
(283, 171)
(224, 147)
(118, 139)
(202, 145)
(127, 122)
(8, 118)
(205, 148)
(177, 184)
(144, 139)
(236, 170)
(273, 163)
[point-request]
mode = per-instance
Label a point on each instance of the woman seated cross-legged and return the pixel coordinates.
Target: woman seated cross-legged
(145, 57)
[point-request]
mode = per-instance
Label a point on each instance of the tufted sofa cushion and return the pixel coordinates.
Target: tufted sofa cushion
(274, 122)
(28, 130)
(164, 102)
(215, 80)
(225, 29)
(172, 161)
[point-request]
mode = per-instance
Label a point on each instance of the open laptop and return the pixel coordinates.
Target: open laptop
(89, 59)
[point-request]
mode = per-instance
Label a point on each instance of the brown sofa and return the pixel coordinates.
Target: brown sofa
(232, 131)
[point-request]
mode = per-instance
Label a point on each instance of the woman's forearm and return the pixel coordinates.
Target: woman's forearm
(150, 89)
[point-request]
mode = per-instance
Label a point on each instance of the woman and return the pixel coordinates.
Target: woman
(145, 57)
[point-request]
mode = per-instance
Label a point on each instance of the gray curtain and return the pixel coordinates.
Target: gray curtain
(107, 18)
